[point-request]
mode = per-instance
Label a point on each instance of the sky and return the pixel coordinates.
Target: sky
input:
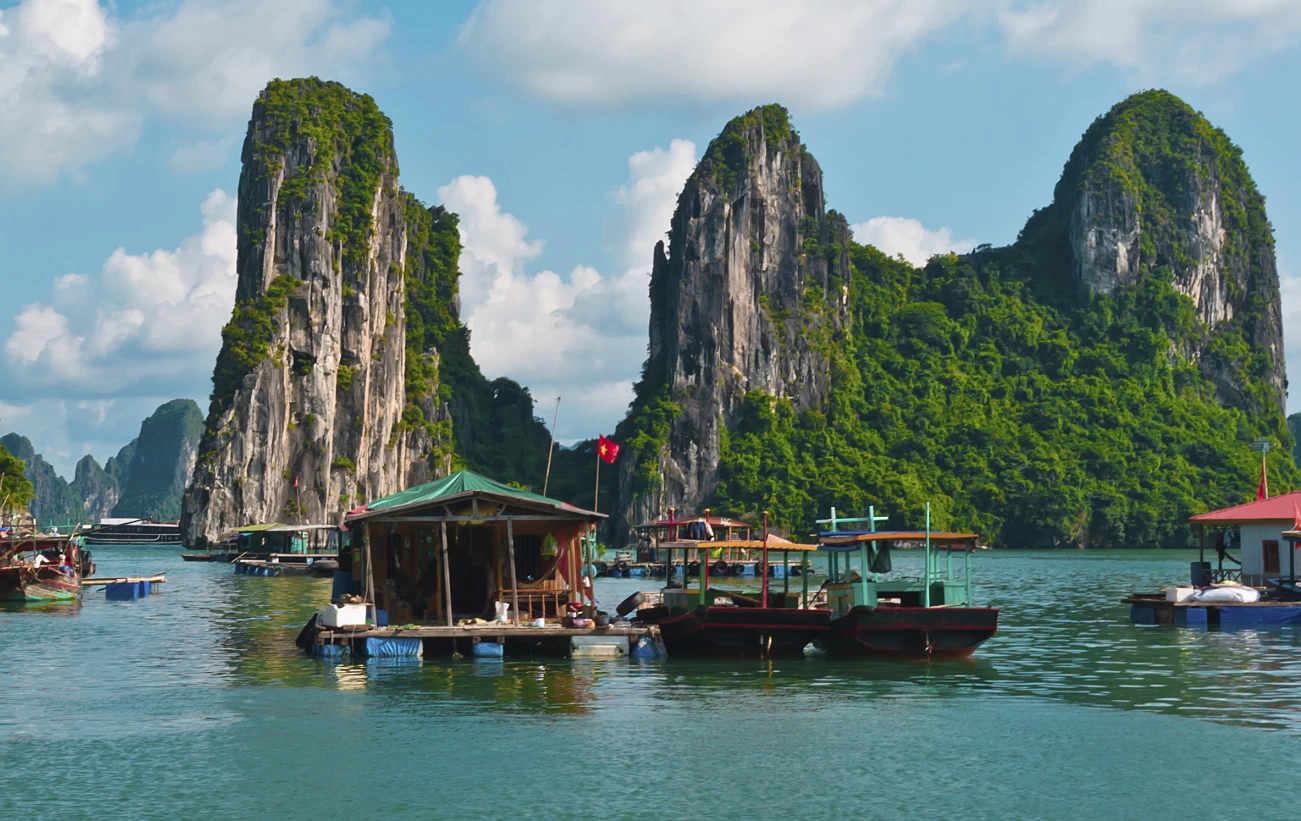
(561, 131)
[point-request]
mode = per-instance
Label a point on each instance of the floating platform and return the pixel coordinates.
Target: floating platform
(1154, 608)
(552, 640)
(157, 578)
(299, 564)
(127, 587)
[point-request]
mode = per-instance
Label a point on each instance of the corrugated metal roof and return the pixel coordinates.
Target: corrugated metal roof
(465, 483)
(1281, 508)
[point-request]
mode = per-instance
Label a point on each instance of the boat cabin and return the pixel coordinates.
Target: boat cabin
(1255, 532)
(708, 527)
(938, 586)
(275, 539)
(708, 560)
(458, 547)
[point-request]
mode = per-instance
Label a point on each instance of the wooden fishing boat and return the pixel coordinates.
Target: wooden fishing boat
(38, 569)
(876, 616)
(717, 622)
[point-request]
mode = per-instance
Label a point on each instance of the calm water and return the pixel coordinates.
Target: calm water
(194, 704)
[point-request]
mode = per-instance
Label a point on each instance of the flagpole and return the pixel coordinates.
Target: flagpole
(596, 494)
(551, 447)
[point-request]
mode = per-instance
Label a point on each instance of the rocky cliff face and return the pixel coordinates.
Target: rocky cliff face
(310, 413)
(52, 500)
(161, 461)
(750, 295)
(97, 490)
(1154, 191)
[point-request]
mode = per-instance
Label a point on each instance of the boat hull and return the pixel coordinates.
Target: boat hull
(742, 632)
(32, 586)
(910, 632)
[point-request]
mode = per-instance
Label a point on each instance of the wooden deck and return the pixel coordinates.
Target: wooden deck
(498, 632)
(160, 578)
(1162, 602)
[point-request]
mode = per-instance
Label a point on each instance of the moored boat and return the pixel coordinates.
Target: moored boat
(138, 531)
(717, 622)
(875, 616)
(39, 569)
(274, 549)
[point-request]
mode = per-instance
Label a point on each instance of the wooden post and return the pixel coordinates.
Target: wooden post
(804, 577)
(370, 579)
(551, 447)
(971, 546)
(926, 590)
(704, 566)
(786, 575)
(514, 585)
(576, 583)
(765, 558)
(447, 577)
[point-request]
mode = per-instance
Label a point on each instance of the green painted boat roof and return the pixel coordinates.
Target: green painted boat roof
(465, 482)
(257, 528)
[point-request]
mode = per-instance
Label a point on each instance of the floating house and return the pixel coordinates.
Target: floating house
(443, 562)
(1254, 531)
(273, 549)
(456, 547)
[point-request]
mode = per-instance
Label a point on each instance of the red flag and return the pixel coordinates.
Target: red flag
(1262, 490)
(607, 450)
(295, 482)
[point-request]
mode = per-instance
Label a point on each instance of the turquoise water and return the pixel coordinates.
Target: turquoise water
(194, 704)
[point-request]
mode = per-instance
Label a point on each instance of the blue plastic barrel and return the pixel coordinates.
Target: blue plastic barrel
(642, 648)
(487, 650)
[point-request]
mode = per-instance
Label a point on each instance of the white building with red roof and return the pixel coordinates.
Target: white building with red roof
(1255, 530)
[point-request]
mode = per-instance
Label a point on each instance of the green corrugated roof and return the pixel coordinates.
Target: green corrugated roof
(463, 481)
(257, 528)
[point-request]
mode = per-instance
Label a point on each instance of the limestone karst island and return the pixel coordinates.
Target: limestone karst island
(708, 390)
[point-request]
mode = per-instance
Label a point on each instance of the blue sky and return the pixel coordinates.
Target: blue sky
(562, 132)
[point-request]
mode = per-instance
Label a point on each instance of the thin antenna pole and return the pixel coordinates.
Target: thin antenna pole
(555, 417)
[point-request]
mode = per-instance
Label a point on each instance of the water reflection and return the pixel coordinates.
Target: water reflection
(1064, 636)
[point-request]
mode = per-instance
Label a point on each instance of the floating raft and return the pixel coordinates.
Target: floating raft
(1156, 609)
(127, 587)
(368, 641)
(158, 578)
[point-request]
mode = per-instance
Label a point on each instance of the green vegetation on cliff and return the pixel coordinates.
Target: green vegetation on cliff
(431, 277)
(161, 461)
(1031, 424)
(989, 386)
(15, 488)
(346, 131)
(246, 340)
(1155, 150)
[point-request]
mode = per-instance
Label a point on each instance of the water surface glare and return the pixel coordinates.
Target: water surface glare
(194, 704)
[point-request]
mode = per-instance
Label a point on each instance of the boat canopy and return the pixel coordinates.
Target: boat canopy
(845, 541)
(463, 485)
(774, 543)
(297, 528)
(257, 528)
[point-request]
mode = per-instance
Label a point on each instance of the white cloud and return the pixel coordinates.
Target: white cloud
(1192, 41)
(200, 156)
(592, 53)
(78, 83)
(581, 336)
(595, 52)
(916, 242)
(146, 323)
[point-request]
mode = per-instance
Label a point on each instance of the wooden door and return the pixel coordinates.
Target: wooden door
(1270, 548)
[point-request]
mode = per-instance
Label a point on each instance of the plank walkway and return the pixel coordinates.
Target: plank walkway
(328, 635)
(159, 578)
